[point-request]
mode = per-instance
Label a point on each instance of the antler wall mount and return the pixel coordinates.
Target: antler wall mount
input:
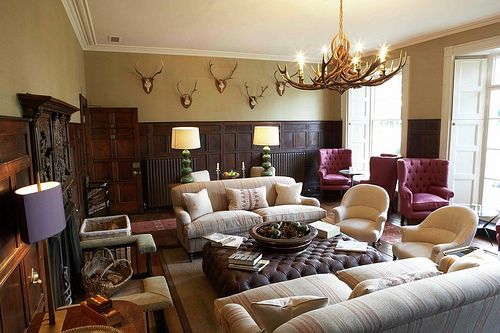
(280, 85)
(186, 98)
(147, 82)
(252, 99)
(221, 84)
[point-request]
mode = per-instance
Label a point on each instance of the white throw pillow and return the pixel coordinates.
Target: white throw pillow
(247, 198)
(371, 285)
(270, 314)
(473, 259)
(198, 204)
(288, 194)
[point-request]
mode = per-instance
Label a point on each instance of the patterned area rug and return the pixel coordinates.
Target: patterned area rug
(163, 231)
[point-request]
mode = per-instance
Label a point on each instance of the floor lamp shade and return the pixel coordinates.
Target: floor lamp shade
(42, 211)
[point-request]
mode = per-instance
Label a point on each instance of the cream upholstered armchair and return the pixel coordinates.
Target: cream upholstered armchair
(444, 229)
(363, 212)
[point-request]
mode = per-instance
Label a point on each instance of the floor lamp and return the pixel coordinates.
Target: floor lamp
(266, 136)
(42, 216)
(186, 138)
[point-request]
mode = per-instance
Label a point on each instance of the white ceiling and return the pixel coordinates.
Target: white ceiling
(267, 29)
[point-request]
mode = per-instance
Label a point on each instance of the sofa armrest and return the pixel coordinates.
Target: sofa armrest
(437, 250)
(410, 233)
(235, 318)
(382, 218)
(446, 262)
(322, 172)
(339, 214)
(307, 201)
(182, 216)
(441, 191)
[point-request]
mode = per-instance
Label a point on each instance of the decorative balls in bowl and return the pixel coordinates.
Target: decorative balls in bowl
(230, 174)
(283, 237)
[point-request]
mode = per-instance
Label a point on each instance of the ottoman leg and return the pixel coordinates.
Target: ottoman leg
(190, 254)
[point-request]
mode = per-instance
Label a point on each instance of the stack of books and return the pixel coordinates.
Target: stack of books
(351, 246)
(247, 260)
(100, 309)
(223, 240)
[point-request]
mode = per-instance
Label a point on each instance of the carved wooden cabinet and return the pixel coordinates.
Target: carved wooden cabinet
(51, 151)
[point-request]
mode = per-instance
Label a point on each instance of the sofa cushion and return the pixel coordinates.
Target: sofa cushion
(353, 276)
(372, 285)
(473, 259)
(427, 201)
(291, 213)
(247, 199)
(270, 314)
(227, 222)
(335, 179)
(198, 204)
(288, 194)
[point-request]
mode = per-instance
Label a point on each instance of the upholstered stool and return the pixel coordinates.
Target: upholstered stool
(151, 295)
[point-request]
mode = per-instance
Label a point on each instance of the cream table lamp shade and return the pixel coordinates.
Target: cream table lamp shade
(266, 136)
(185, 138)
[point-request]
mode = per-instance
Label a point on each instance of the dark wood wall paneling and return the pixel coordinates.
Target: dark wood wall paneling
(77, 143)
(423, 138)
(19, 298)
(230, 143)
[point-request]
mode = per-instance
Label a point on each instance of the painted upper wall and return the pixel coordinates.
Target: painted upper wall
(426, 70)
(40, 54)
(111, 81)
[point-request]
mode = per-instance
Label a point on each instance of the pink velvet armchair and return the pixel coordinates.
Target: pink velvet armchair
(384, 173)
(330, 162)
(423, 187)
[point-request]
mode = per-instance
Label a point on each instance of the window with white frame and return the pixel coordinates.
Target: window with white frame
(374, 121)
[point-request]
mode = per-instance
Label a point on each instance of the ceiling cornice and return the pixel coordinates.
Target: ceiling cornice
(80, 18)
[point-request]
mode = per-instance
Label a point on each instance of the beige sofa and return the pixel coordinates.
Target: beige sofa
(236, 222)
(463, 301)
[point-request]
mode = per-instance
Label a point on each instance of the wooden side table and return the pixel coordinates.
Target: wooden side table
(350, 174)
(72, 317)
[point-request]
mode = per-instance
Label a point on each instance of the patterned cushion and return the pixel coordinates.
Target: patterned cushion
(247, 199)
(353, 276)
(371, 285)
(228, 222)
(291, 213)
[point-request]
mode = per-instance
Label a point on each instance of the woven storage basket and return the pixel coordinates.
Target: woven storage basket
(105, 227)
(104, 275)
(93, 329)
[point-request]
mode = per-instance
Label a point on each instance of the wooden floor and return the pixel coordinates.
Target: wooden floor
(171, 315)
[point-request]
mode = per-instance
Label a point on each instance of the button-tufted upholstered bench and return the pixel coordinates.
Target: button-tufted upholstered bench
(319, 257)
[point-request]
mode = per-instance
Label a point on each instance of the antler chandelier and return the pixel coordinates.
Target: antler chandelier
(341, 70)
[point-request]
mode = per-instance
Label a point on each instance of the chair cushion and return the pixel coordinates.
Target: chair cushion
(360, 229)
(288, 194)
(198, 204)
(300, 213)
(427, 201)
(335, 179)
(228, 222)
(270, 314)
(247, 198)
(353, 276)
(412, 249)
(372, 285)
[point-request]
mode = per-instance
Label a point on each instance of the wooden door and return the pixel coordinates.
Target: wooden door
(113, 155)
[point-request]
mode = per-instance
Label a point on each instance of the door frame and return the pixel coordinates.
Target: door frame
(450, 53)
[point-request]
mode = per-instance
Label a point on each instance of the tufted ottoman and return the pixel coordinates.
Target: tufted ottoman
(318, 258)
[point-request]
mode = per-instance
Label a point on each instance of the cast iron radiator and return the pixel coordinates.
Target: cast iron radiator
(289, 164)
(159, 173)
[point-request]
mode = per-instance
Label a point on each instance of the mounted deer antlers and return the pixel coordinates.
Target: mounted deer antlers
(147, 82)
(252, 100)
(221, 84)
(186, 98)
(280, 85)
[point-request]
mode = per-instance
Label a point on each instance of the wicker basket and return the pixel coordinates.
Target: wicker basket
(93, 329)
(104, 275)
(105, 227)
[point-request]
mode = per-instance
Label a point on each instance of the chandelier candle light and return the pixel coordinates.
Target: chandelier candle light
(266, 136)
(340, 69)
(186, 138)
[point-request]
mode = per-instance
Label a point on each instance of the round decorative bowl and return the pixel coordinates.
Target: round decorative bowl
(296, 243)
(230, 176)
